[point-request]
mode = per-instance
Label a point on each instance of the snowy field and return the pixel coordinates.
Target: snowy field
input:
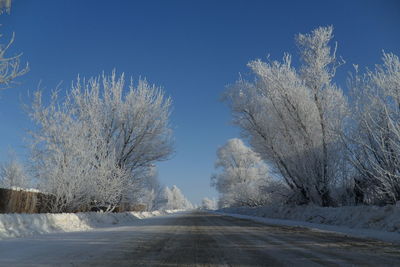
(22, 225)
(381, 223)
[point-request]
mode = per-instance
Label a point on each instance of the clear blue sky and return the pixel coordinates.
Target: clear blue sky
(193, 49)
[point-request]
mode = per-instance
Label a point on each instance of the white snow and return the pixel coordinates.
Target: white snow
(381, 223)
(16, 188)
(21, 225)
(97, 247)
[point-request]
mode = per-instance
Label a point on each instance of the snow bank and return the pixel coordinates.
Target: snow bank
(19, 225)
(16, 188)
(363, 221)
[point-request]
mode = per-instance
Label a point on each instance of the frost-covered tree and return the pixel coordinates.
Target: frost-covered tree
(13, 174)
(72, 162)
(9, 66)
(172, 199)
(244, 176)
(5, 6)
(98, 144)
(374, 139)
(149, 189)
(209, 204)
(293, 117)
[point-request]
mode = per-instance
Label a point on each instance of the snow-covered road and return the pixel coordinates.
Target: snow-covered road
(201, 239)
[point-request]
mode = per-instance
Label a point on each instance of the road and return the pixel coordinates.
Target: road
(197, 239)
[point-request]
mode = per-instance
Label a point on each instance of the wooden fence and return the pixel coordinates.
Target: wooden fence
(19, 201)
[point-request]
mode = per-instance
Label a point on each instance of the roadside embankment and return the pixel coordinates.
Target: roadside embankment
(19, 225)
(364, 221)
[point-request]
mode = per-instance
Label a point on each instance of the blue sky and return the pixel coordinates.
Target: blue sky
(193, 49)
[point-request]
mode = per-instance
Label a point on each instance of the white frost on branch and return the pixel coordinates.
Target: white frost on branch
(13, 175)
(244, 176)
(10, 67)
(96, 146)
(293, 118)
(374, 138)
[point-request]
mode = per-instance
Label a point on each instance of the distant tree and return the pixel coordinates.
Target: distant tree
(209, 204)
(243, 177)
(172, 199)
(13, 174)
(293, 118)
(149, 189)
(98, 144)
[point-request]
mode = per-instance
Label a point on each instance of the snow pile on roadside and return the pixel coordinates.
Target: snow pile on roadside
(365, 221)
(385, 218)
(19, 225)
(16, 188)
(392, 237)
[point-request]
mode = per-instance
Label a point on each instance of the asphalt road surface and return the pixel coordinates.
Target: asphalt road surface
(197, 239)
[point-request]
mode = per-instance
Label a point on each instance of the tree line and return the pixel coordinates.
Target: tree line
(95, 148)
(322, 147)
(309, 143)
(95, 145)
